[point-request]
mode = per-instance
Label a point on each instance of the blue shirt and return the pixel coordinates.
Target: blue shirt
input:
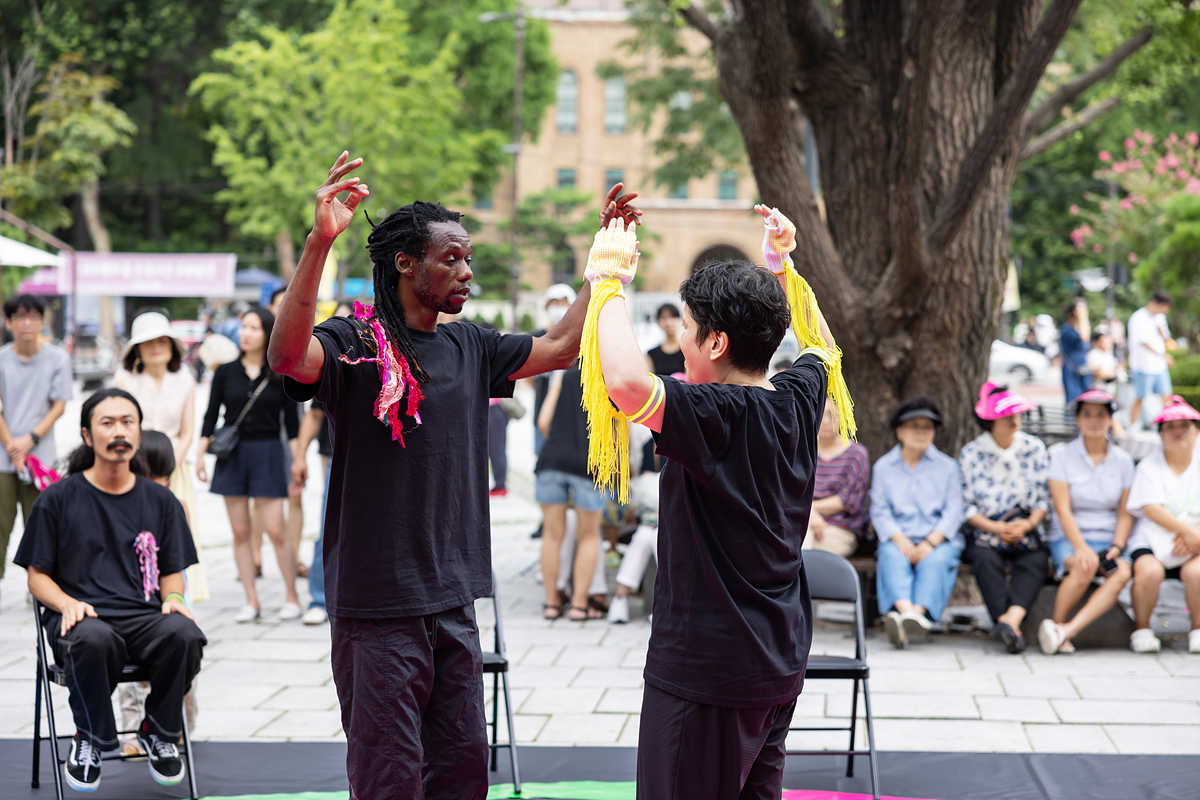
(1095, 489)
(919, 500)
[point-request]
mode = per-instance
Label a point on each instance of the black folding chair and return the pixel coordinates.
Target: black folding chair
(48, 673)
(495, 663)
(830, 577)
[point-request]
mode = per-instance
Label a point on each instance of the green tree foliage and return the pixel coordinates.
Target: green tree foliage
(74, 126)
(1158, 92)
(1174, 264)
(286, 104)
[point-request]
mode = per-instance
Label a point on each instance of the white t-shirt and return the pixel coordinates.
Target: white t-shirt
(1148, 329)
(1155, 482)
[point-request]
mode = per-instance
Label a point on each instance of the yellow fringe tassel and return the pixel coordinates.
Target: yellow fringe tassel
(806, 324)
(608, 428)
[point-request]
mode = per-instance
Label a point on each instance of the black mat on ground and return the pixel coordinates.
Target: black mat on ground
(229, 768)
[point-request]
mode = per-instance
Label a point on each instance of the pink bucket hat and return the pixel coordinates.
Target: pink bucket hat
(1099, 397)
(1177, 408)
(1000, 404)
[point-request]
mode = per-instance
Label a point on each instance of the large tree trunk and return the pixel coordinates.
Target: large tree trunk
(89, 198)
(912, 109)
(285, 254)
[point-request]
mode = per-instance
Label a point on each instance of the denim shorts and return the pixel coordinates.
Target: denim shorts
(1062, 549)
(554, 488)
(1148, 383)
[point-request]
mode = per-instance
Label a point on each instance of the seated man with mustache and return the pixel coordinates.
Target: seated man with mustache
(105, 550)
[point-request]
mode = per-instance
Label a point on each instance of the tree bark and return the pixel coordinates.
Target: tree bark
(285, 254)
(89, 198)
(918, 113)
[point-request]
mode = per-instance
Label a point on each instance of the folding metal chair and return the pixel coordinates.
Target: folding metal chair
(48, 673)
(831, 577)
(495, 663)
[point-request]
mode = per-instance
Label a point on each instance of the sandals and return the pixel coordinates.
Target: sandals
(597, 608)
(551, 611)
(579, 614)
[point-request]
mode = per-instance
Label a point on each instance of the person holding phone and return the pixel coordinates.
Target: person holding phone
(1089, 482)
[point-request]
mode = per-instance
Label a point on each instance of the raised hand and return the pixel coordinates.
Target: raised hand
(614, 253)
(333, 215)
(619, 206)
(779, 237)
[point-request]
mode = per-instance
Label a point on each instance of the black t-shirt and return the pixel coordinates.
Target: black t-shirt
(407, 530)
(271, 413)
(732, 614)
(84, 538)
(665, 363)
(566, 446)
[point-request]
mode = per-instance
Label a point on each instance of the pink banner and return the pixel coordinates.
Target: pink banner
(43, 281)
(151, 274)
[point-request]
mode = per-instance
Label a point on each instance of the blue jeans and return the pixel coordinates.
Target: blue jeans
(928, 584)
(316, 571)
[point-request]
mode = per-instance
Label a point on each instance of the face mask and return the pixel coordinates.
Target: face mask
(556, 314)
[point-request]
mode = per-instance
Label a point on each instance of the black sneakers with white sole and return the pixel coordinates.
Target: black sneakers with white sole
(82, 769)
(166, 765)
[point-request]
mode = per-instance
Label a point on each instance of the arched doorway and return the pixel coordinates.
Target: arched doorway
(718, 252)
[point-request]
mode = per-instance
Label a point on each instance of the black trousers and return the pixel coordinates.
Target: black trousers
(1028, 575)
(94, 652)
(411, 692)
(498, 444)
(702, 752)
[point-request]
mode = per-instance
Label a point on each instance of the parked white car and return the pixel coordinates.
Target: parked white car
(1017, 364)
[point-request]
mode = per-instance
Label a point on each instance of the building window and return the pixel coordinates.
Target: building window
(680, 101)
(483, 200)
(566, 99)
(565, 179)
(727, 185)
(612, 176)
(678, 191)
(562, 264)
(614, 105)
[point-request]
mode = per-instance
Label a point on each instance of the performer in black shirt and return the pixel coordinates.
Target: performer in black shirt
(407, 540)
(732, 615)
(105, 551)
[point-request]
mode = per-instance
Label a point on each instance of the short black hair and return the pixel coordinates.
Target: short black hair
(1161, 297)
(670, 309)
(24, 302)
(1069, 308)
(155, 457)
(918, 403)
(1096, 334)
(744, 302)
(276, 294)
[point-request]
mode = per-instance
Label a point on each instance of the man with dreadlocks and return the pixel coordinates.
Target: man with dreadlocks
(407, 535)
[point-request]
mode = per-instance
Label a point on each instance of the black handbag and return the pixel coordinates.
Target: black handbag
(225, 439)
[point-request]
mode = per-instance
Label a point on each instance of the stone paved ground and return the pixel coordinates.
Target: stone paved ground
(580, 683)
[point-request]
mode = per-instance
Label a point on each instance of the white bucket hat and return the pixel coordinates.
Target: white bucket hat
(559, 291)
(147, 327)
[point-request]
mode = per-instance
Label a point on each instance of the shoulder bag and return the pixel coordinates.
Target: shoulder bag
(225, 439)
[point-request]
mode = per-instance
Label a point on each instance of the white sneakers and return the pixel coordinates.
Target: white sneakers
(289, 612)
(1194, 641)
(315, 616)
(248, 613)
(894, 628)
(1051, 636)
(618, 610)
(1143, 640)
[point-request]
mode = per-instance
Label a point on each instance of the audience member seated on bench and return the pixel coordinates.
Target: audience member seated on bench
(916, 509)
(1089, 483)
(643, 493)
(1005, 501)
(839, 509)
(1165, 497)
(105, 550)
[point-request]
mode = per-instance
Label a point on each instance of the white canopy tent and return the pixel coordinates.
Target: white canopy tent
(16, 254)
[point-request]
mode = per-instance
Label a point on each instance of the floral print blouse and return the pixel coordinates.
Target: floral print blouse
(997, 481)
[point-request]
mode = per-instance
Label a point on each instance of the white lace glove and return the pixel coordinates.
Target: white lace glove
(614, 253)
